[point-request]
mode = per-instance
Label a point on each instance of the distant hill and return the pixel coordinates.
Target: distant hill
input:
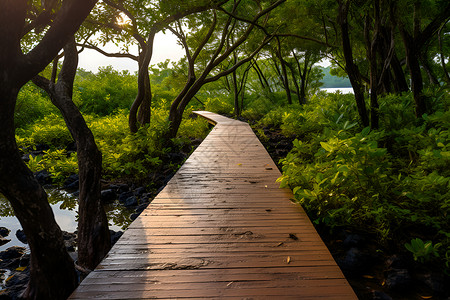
(330, 81)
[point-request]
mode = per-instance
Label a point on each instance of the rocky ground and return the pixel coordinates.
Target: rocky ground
(374, 274)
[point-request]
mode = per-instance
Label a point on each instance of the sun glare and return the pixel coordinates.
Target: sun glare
(123, 20)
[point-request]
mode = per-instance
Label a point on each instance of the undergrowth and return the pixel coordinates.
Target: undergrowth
(392, 183)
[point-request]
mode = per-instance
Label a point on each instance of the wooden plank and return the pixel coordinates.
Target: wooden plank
(220, 229)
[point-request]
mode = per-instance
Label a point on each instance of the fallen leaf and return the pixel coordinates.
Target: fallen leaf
(426, 297)
(368, 276)
(279, 244)
(239, 164)
(20, 269)
(230, 283)
(293, 236)
(288, 260)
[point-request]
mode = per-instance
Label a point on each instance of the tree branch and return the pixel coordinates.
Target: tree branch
(68, 19)
(118, 55)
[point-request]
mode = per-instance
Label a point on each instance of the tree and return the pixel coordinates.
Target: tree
(52, 273)
(416, 37)
(143, 25)
(208, 56)
(93, 234)
(350, 67)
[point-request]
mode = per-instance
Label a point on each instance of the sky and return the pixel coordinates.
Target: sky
(165, 47)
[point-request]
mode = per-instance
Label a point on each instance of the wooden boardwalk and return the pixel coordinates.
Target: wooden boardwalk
(220, 229)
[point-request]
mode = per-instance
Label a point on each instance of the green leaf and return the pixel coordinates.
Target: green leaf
(365, 131)
(327, 146)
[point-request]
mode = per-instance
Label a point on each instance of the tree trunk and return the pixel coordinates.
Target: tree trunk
(93, 233)
(441, 54)
(52, 272)
(145, 109)
(140, 111)
(400, 83)
(426, 66)
(412, 59)
(294, 80)
(237, 111)
(283, 74)
(350, 67)
(261, 77)
(372, 45)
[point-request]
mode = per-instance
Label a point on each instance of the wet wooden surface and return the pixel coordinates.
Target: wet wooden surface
(220, 229)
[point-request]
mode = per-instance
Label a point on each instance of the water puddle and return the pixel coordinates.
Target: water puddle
(65, 209)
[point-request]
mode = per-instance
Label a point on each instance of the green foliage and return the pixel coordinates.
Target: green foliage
(57, 162)
(50, 130)
(333, 111)
(393, 183)
(192, 127)
(124, 154)
(422, 252)
(218, 105)
(105, 92)
(32, 105)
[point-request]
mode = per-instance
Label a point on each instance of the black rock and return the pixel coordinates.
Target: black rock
(134, 216)
(113, 187)
(21, 236)
(354, 263)
(71, 179)
(108, 195)
(378, 295)
(398, 279)
(72, 182)
(2, 275)
(43, 177)
(18, 283)
(130, 201)
(24, 260)
(4, 241)
(115, 236)
(70, 241)
(139, 191)
(176, 157)
(42, 147)
(141, 208)
(397, 262)
(12, 252)
(6, 295)
(436, 282)
(71, 147)
(122, 188)
(4, 232)
(124, 196)
(72, 186)
(69, 236)
(353, 240)
(196, 142)
(145, 198)
(25, 158)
